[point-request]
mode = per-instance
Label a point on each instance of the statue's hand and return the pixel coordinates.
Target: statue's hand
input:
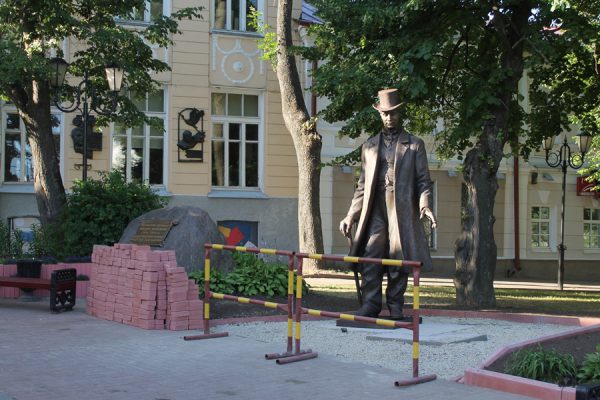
(346, 226)
(427, 213)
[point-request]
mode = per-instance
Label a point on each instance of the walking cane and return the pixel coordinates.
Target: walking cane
(354, 267)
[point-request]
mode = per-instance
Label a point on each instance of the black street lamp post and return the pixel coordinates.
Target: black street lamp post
(85, 98)
(563, 158)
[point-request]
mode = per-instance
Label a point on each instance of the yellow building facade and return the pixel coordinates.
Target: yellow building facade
(244, 172)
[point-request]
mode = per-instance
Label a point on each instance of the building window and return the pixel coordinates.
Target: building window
(540, 227)
(17, 158)
(235, 140)
(151, 10)
(234, 15)
(591, 228)
(138, 151)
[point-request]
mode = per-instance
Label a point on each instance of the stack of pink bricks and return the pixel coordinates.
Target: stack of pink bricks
(137, 286)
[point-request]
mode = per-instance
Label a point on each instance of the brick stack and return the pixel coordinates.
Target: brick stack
(137, 286)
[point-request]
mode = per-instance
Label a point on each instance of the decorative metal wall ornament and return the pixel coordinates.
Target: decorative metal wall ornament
(94, 139)
(190, 142)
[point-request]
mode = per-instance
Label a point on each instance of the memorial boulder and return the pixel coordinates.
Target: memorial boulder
(184, 229)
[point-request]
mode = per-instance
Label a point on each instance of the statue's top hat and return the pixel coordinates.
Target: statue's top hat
(388, 100)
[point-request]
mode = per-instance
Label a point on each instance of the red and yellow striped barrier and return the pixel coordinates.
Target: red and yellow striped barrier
(295, 311)
(414, 325)
(208, 295)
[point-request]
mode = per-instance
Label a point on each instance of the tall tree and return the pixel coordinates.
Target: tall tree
(307, 141)
(458, 64)
(30, 30)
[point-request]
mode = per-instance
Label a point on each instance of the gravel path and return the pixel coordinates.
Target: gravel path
(447, 361)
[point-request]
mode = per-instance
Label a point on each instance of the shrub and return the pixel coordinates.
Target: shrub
(543, 365)
(45, 238)
(218, 283)
(96, 212)
(11, 243)
(590, 369)
(250, 277)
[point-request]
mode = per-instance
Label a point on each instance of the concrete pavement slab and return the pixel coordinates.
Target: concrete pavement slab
(433, 334)
(75, 356)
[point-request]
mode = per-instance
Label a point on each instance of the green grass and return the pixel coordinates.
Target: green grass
(580, 303)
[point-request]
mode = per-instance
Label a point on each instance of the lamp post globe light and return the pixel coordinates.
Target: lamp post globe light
(563, 158)
(85, 99)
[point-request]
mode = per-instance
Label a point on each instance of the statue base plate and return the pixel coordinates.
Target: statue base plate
(358, 324)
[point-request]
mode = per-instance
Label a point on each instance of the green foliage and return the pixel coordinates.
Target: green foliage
(590, 369)
(96, 212)
(458, 64)
(543, 365)
(268, 43)
(44, 240)
(218, 281)
(32, 29)
(250, 277)
(11, 243)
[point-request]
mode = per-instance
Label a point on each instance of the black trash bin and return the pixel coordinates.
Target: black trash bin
(28, 269)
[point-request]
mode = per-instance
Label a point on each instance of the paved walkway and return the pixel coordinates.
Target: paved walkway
(75, 356)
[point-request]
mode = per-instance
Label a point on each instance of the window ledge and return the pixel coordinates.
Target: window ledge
(226, 32)
(25, 188)
(591, 251)
(542, 250)
(237, 194)
(133, 22)
(161, 191)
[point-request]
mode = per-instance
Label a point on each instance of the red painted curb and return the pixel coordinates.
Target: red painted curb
(516, 385)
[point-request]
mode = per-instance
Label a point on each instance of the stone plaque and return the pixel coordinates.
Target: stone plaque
(152, 232)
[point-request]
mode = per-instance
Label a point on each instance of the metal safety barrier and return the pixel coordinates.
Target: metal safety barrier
(414, 325)
(208, 294)
(295, 310)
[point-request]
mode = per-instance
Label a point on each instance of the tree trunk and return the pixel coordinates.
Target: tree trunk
(475, 249)
(307, 141)
(34, 110)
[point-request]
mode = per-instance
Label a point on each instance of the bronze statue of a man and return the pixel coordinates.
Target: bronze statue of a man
(394, 193)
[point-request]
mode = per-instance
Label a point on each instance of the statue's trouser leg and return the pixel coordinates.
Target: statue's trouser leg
(376, 247)
(397, 277)
(394, 294)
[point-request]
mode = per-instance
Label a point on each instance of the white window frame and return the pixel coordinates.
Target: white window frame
(540, 221)
(590, 222)
(226, 120)
(11, 109)
(147, 17)
(260, 6)
(146, 145)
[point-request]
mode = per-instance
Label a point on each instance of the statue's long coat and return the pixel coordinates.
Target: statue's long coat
(413, 192)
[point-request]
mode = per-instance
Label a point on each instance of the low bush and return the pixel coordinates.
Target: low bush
(251, 277)
(546, 365)
(11, 243)
(96, 212)
(590, 369)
